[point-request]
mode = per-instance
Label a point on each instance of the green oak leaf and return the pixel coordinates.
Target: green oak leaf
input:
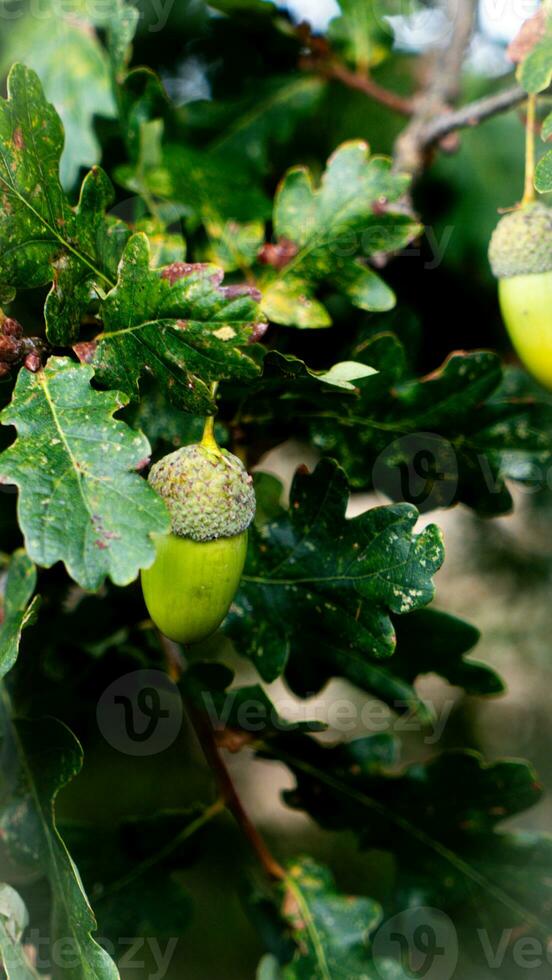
(213, 187)
(535, 71)
(454, 435)
(135, 862)
(546, 131)
(19, 608)
(44, 240)
(14, 919)
(298, 377)
(264, 116)
(38, 759)
(78, 84)
(359, 33)
(428, 641)
(291, 301)
(332, 931)
(440, 819)
(79, 501)
(179, 321)
(329, 231)
(543, 173)
(314, 577)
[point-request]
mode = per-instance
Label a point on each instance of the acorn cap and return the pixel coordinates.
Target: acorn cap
(521, 243)
(207, 491)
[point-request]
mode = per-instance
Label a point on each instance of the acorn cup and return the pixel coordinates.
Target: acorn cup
(520, 253)
(210, 497)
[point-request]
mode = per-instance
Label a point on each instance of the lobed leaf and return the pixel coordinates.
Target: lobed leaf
(329, 231)
(19, 608)
(79, 84)
(457, 434)
(440, 821)
(39, 759)
(79, 501)
(181, 324)
(44, 240)
(314, 578)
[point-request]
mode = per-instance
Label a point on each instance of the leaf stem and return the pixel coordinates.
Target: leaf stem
(529, 188)
(451, 857)
(140, 869)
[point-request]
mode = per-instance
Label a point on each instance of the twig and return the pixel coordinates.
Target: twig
(175, 663)
(361, 82)
(163, 853)
(174, 660)
(441, 90)
(206, 738)
(472, 114)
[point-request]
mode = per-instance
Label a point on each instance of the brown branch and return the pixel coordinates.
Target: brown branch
(442, 89)
(206, 738)
(472, 114)
(360, 82)
(175, 664)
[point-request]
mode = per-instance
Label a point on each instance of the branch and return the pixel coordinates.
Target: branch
(175, 664)
(442, 89)
(472, 114)
(207, 740)
(360, 82)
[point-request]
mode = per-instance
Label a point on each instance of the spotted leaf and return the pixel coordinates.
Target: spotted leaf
(44, 240)
(328, 233)
(313, 577)
(79, 501)
(181, 324)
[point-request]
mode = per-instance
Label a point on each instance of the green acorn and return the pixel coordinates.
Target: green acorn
(520, 253)
(210, 497)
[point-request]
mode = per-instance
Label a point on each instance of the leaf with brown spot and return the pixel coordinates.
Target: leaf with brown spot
(180, 324)
(44, 240)
(80, 500)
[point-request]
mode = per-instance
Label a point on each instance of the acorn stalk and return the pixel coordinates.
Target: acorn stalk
(190, 586)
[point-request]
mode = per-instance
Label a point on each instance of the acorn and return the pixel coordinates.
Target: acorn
(520, 253)
(210, 497)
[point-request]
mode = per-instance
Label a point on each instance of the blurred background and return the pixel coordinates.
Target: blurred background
(497, 575)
